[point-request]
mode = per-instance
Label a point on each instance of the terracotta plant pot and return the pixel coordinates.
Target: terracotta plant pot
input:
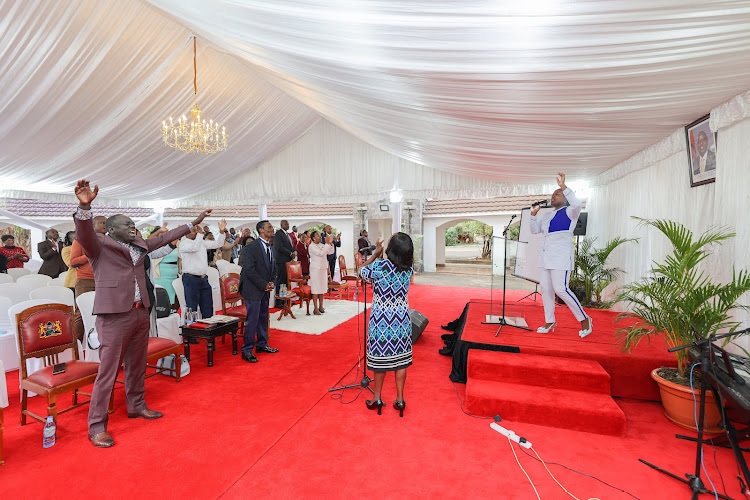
(680, 408)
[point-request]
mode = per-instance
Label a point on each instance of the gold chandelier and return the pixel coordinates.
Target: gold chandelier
(195, 136)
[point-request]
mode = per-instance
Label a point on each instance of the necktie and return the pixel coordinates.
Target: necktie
(703, 164)
(268, 253)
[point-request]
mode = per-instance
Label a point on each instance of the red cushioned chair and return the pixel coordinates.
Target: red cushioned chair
(345, 276)
(229, 286)
(340, 285)
(297, 284)
(45, 331)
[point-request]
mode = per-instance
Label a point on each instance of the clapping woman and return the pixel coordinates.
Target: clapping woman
(319, 269)
(389, 341)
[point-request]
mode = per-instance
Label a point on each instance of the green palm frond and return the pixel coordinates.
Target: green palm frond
(677, 299)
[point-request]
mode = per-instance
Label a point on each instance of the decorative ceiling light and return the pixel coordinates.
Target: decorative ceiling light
(195, 136)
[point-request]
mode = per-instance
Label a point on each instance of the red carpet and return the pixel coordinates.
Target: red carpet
(545, 390)
(629, 372)
(272, 430)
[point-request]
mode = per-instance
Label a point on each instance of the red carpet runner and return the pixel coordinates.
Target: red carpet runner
(545, 390)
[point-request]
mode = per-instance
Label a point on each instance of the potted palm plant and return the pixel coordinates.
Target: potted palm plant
(677, 301)
(592, 274)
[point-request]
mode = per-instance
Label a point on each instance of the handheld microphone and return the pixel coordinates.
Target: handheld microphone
(540, 202)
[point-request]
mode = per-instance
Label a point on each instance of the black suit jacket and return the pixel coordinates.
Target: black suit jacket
(282, 248)
(256, 272)
(53, 263)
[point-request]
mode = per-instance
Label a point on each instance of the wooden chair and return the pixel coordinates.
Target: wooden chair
(229, 286)
(45, 331)
(340, 285)
(297, 284)
(345, 276)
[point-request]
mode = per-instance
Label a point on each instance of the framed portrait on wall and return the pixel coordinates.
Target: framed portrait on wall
(701, 151)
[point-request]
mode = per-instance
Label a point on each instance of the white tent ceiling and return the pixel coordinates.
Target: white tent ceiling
(506, 91)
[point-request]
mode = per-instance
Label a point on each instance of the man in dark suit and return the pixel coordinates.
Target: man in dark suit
(365, 245)
(706, 159)
(49, 250)
(256, 282)
(336, 243)
(283, 251)
(121, 304)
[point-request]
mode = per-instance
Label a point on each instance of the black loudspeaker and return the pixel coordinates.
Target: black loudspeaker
(418, 324)
(580, 229)
(163, 306)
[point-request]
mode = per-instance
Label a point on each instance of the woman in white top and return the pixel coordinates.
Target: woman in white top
(319, 269)
(556, 259)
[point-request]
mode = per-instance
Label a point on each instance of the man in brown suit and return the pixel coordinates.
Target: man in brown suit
(121, 305)
(49, 250)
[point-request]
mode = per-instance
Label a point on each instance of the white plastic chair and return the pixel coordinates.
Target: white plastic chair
(8, 354)
(33, 265)
(85, 303)
(59, 281)
(33, 280)
(55, 293)
(213, 280)
(62, 275)
(3, 404)
(179, 290)
(225, 267)
(17, 272)
(33, 365)
(6, 278)
(15, 292)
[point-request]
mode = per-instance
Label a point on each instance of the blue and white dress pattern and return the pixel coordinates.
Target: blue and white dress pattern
(389, 341)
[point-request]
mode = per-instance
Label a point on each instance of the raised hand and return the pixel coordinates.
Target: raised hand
(84, 193)
(329, 239)
(561, 180)
(222, 225)
(202, 216)
(536, 209)
(379, 243)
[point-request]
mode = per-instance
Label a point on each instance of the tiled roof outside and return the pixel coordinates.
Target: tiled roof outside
(502, 204)
(273, 210)
(42, 208)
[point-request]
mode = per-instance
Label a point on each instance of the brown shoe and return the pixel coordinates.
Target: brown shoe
(147, 414)
(102, 440)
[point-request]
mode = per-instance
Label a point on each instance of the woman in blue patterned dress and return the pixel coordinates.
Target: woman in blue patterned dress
(389, 339)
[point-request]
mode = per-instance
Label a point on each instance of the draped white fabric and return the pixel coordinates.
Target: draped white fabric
(661, 189)
(87, 84)
(508, 91)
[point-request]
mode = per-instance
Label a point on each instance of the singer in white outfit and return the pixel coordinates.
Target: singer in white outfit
(556, 260)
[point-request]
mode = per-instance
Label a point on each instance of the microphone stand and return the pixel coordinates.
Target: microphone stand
(503, 322)
(365, 382)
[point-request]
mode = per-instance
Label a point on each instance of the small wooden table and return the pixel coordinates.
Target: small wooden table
(287, 310)
(209, 334)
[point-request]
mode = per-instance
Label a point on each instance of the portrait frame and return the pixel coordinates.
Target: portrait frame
(695, 142)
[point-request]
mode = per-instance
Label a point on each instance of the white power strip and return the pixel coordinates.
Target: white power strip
(510, 434)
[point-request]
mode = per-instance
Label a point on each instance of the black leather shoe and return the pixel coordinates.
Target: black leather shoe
(266, 349)
(249, 357)
(192, 340)
(146, 413)
(448, 336)
(446, 351)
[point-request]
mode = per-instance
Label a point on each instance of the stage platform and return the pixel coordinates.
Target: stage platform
(629, 373)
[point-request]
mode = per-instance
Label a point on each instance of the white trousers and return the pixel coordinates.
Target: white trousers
(555, 281)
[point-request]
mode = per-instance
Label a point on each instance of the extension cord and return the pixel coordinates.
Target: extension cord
(511, 435)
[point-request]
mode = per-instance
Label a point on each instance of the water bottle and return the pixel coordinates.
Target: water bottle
(49, 433)
(189, 318)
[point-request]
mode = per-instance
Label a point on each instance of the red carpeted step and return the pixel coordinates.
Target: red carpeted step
(531, 369)
(565, 409)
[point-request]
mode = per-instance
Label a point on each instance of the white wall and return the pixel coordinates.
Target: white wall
(663, 190)
(434, 233)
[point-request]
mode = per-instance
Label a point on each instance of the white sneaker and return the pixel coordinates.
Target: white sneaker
(583, 333)
(543, 329)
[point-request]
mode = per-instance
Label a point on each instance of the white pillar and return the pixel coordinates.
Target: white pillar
(440, 246)
(37, 236)
(396, 226)
(262, 211)
(428, 247)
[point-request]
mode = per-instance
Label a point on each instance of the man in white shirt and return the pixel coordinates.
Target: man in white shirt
(556, 259)
(193, 249)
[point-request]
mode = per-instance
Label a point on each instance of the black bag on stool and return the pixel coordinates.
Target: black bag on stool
(163, 306)
(418, 324)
